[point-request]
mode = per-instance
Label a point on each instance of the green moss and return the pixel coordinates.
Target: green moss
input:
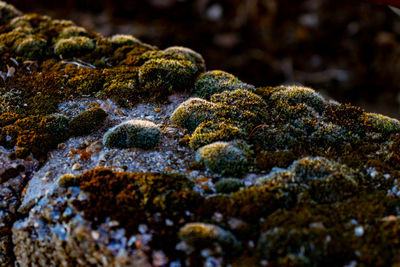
(71, 31)
(199, 235)
(134, 133)
(318, 178)
(228, 185)
(266, 160)
(31, 47)
(212, 131)
(72, 46)
(383, 124)
(87, 121)
(233, 158)
(242, 99)
(217, 81)
(192, 113)
(7, 12)
(295, 95)
(162, 77)
(67, 180)
(138, 197)
(119, 40)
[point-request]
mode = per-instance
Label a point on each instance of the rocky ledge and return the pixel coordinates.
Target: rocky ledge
(116, 153)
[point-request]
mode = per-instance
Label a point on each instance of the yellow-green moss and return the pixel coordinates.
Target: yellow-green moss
(73, 46)
(87, 121)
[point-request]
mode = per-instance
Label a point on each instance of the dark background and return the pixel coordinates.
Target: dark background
(349, 50)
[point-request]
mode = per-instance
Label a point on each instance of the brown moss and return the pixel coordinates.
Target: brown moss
(266, 160)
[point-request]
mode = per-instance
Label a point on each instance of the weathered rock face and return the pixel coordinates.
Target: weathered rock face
(243, 176)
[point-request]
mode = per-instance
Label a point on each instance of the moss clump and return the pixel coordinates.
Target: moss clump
(67, 180)
(165, 76)
(7, 12)
(178, 53)
(266, 160)
(134, 133)
(294, 247)
(217, 81)
(383, 124)
(73, 46)
(319, 178)
(226, 158)
(192, 112)
(138, 197)
(212, 131)
(199, 235)
(71, 31)
(119, 40)
(295, 95)
(87, 121)
(228, 185)
(31, 47)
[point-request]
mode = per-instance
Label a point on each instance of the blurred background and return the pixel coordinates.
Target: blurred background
(346, 49)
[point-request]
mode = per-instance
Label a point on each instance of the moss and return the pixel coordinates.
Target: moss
(383, 124)
(177, 53)
(71, 31)
(192, 113)
(244, 100)
(295, 95)
(138, 197)
(199, 235)
(228, 185)
(134, 133)
(330, 135)
(294, 247)
(67, 180)
(319, 178)
(87, 121)
(77, 45)
(212, 131)
(266, 160)
(162, 77)
(233, 158)
(7, 12)
(119, 40)
(217, 81)
(31, 47)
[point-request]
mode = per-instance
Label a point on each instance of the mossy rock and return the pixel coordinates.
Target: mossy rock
(87, 121)
(134, 133)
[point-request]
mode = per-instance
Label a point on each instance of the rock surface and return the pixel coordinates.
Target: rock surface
(284, 159)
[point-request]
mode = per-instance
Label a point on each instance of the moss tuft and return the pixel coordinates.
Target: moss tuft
(227, 158)
(67, 180)
(31, 47)
(217, 81)
(192, 112)
(199, 236)
(87, 121)
(163, 77)
(212, 131)
(134, 133)
(119, 40)
(383, 124)
(73, 46)
(228, 185)
(7, 12)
